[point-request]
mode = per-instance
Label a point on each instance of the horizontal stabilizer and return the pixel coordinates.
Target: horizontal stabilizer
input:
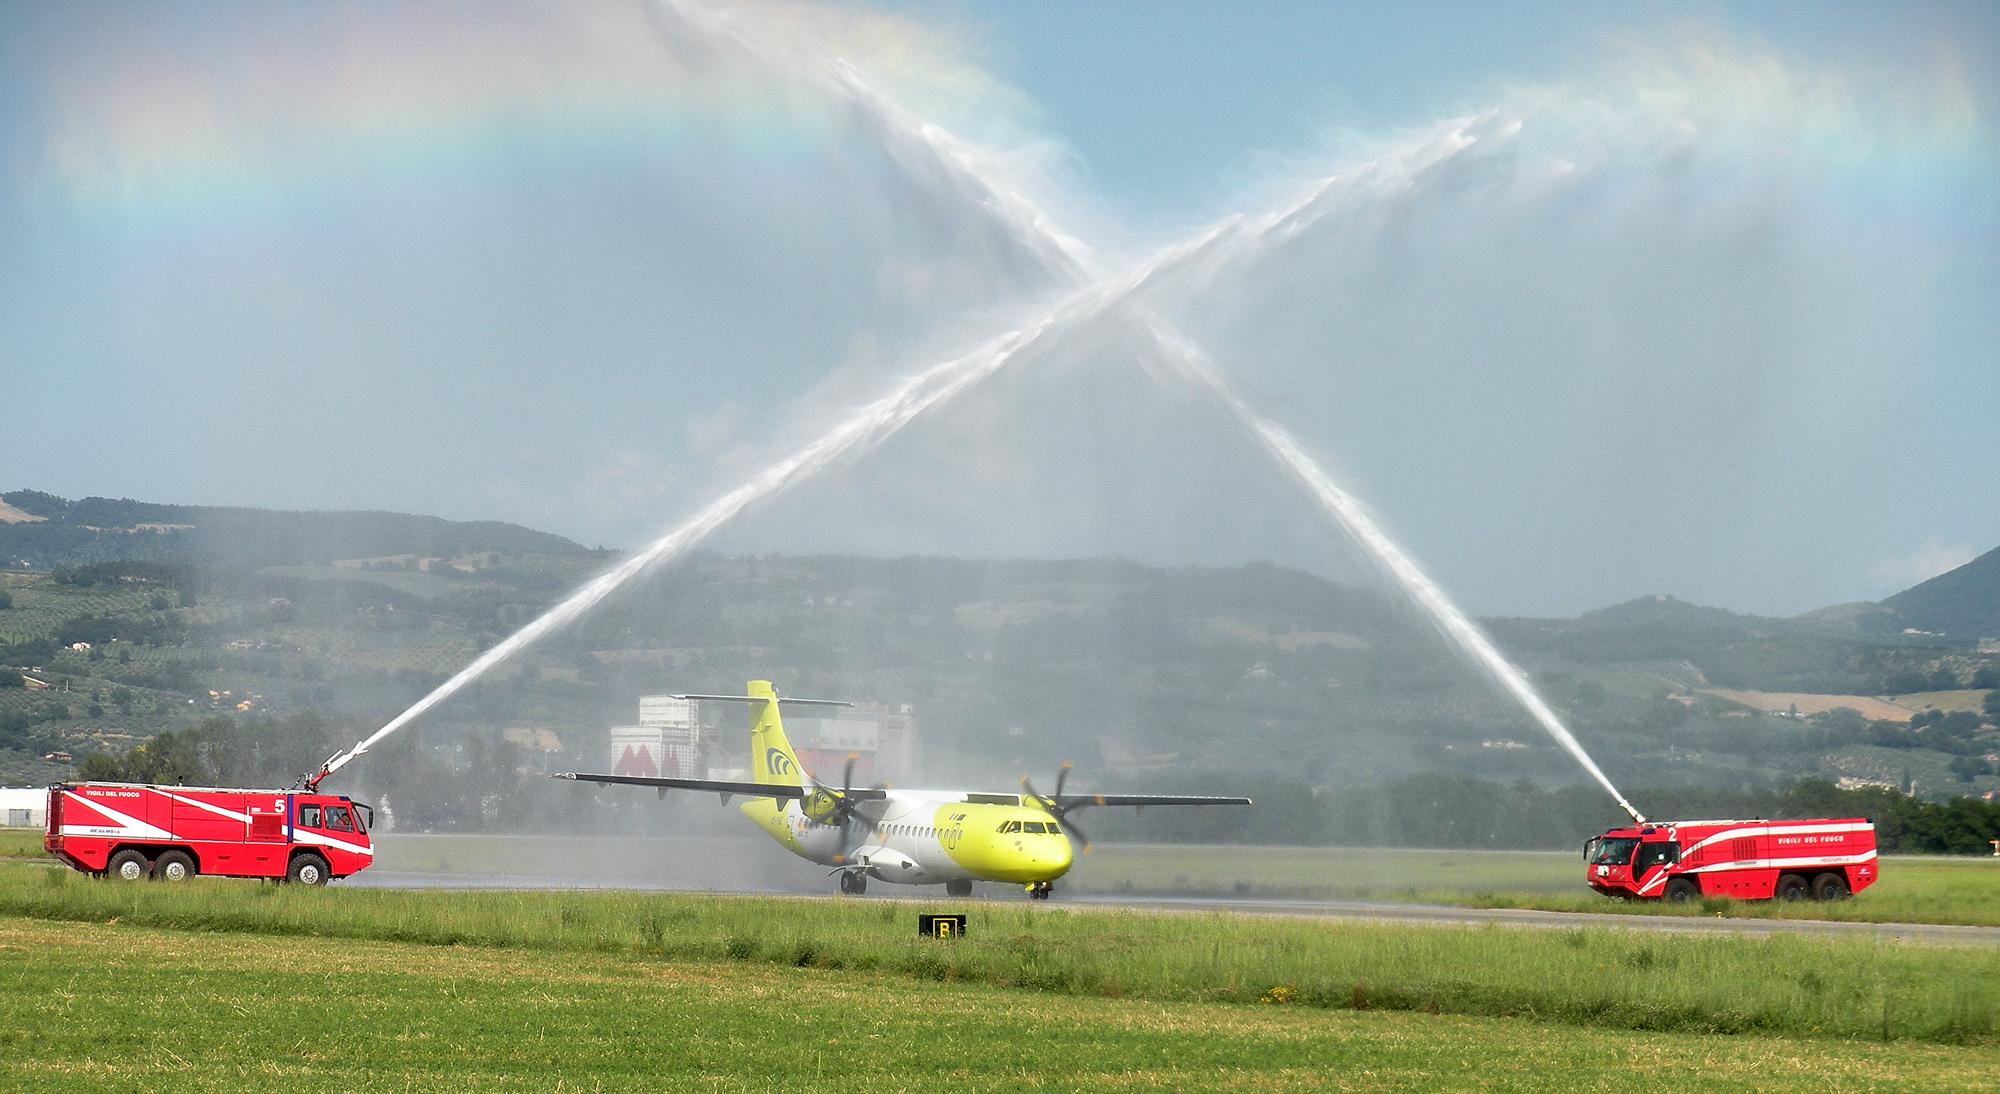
(783, 700)
(717, 786)
(1078, 801)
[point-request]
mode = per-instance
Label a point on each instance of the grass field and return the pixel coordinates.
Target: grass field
(1791, 986)
(92, 1006)
(1913, 889)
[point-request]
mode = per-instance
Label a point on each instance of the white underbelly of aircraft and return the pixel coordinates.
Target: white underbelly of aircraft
(889, 864)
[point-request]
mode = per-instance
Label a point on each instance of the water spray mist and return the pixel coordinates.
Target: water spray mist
(1064, 256)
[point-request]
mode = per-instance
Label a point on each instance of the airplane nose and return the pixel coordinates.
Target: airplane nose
(1062, 854)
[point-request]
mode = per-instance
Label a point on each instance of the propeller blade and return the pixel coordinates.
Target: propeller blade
(1062, 776)
(1082, 838)
(847, 776)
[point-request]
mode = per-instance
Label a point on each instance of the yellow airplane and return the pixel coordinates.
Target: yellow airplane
(910, 837)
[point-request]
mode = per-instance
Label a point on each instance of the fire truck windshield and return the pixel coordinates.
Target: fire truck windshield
(1610, 852)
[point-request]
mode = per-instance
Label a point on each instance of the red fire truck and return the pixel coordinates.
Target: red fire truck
(1745, 860)
(133, 831)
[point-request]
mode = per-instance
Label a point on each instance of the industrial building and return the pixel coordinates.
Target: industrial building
(685, 738)
(23, 807)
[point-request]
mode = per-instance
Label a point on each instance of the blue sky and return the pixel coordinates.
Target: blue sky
(584, 267)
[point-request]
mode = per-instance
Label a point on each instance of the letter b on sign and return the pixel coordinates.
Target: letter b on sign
(940, 926)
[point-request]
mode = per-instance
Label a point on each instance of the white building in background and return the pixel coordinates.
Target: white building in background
(24, 807)
(666, 742)
(882, 737)
(684, 738)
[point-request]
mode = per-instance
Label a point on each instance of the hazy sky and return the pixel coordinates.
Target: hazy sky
(1707, 304)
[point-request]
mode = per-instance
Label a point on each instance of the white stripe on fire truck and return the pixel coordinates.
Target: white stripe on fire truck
(215, 809)
(128, 826)
(305, 837)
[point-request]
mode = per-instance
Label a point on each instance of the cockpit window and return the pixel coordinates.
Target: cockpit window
(1055, 829)
(1011, 826)
(1034, 826)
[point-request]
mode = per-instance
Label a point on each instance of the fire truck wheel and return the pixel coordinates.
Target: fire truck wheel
(308, 869)
(128, 865)
(1681, 890)
(1830, 887)
(1792, 887)
(174, 866)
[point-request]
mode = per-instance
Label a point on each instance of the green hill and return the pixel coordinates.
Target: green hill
(1964, 602)
(90, 530)
(310, 635)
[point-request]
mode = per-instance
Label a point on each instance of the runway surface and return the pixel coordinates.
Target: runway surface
(1435, 915)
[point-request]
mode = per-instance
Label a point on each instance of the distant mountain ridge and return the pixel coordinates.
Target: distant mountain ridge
(65, 532)
(1964, 602)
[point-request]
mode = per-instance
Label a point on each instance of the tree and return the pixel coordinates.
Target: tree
(1590, 695)
(1988, 676)
(1904, 681)
(6, 599)
(1968, 768)
(1992, 706)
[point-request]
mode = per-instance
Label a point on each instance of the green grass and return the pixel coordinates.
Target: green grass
(1785, 985)
(21, 843)
(1912, 889)
(92, 1006)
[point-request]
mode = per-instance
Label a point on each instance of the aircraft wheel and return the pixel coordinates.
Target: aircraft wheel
(853, 883)
(960, 887)
(128, 865)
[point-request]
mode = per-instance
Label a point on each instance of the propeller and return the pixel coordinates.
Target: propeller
(1052, 804)
(838, 809)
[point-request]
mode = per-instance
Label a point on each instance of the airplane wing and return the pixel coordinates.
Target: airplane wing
(724, 787)
(1078, 801)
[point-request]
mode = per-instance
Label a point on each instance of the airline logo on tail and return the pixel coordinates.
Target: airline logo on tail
(779, 763)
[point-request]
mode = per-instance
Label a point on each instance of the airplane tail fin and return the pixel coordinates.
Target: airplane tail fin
(772, 760)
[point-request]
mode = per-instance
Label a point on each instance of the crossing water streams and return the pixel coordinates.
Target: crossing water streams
(944, 156)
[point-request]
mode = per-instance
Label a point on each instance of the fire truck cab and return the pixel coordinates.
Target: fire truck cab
(132, 831)
(1741, 859)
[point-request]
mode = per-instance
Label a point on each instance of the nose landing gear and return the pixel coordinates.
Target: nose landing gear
(1040, 890)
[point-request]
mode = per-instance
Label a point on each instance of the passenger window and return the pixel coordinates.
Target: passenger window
(1033, 826)
(337, 819)
(309, 816)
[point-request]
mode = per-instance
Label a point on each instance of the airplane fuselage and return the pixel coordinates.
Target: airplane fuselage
(924, 837)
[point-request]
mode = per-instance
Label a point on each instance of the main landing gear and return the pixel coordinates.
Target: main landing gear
(1040, 890)
(853, 882)
(958, 887)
